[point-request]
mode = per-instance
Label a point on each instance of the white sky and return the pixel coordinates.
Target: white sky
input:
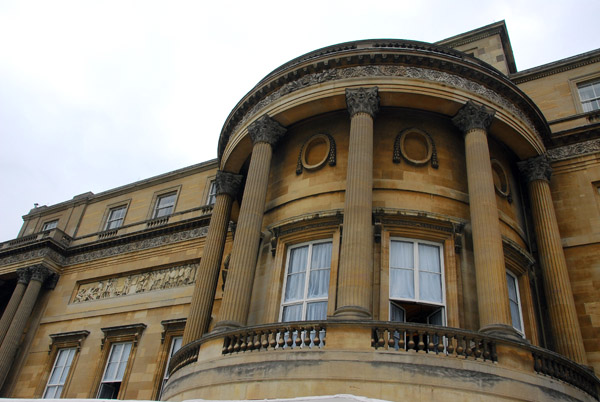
(98, 94)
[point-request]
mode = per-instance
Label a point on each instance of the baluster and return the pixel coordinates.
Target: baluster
(265, 340)
(317, 340)
(460, 349)
(257, 342)
(238, 342)
(451, 341)
(421, 343)
(411, 341)
(401, 339)
(440, 346)
(373, 337)
(307, 331)
(298, 340)
(250, 341)
(323, 336)
(391, 338)
(226, 343)
(273, 338)
(281, 338)
(468, 348)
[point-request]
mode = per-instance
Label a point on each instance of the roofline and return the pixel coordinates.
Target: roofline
(484, 32)
(89, 196)
(556, 67)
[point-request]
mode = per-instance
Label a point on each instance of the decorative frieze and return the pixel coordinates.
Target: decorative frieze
(574, 150)
(228, 183)
(267, 130)
(451, 80)
(537, 168)
(167, 278)
(362, 100)
(472, 116)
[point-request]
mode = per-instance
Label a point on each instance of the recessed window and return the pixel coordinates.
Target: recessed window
(416, 282)
(176, 343)
(212, 193)
(515, 301)
(165, 204)
(589, 94)
(307, 282)
(60, 371)
(116, 216)
(50, 225)
(114, 370)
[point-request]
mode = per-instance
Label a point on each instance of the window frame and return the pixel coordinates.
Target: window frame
(160, 194)
(519, 303)
(122, 219)
(158, 208)
(211, 197)
(116, 335)
(575, 83)
(416, 270)
(593, 83)
(67, 367)
(171, 329)
(304, 301)
(61, 341)
(53, 223)
(120, 380)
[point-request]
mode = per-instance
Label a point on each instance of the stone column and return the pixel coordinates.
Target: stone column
(561, 304)
(356, 255)
(207, 276)
(490, 269)
(264, 133)
(39, 274)
(23, 276)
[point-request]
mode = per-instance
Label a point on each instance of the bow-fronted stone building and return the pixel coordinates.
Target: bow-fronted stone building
(386, 218)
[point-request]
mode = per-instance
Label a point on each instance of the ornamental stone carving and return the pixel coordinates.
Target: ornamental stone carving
(537, 168)
(472, 116)
(574, 150)
(23, 275)
(39, 273)
(228, 183)
(167, 278)
(265, 129)
(362, 100)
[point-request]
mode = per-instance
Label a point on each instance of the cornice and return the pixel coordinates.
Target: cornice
(556, 67)
(374, 56)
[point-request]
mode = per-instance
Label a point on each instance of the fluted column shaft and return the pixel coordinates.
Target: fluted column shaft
(17, 326)
(13, 304)
(561, 304)
(356, 256)
(207, 275)
(238, 288)
(490, 270)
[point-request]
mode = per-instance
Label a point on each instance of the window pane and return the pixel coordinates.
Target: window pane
(295, 287)
(318, 283)
(316, 311)
(401, 254)
(429, 258)
(512, 287)
(292, 313)
(515, 315)
(430, 287)
(298, 258)
(402, 284)
(396, 313)
(111, 372)
(436, 318)
(321, 256)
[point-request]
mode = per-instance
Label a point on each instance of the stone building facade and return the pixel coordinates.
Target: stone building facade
(386, 218)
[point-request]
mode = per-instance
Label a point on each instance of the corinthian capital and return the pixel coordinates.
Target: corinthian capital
(40, 273)
(265, 129)
(536, 168)
(23, 275)
(228, 183)
(364, 100)
(472, 116)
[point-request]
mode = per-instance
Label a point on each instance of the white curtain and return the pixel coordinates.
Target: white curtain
(296, 274)
(292, 313)
(515, 313)
(318, 285)
(402, 270)
(316, 311)
(430, 274)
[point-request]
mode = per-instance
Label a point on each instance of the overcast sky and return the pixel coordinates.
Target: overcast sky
(98, 94)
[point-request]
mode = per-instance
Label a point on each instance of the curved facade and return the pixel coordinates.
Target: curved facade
(380, 222)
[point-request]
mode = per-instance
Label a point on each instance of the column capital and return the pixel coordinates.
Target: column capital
(267, 130)
(228, 183)
(23, 275)
(43, 274)
(472, 116)
(364, 100)
(536, 168)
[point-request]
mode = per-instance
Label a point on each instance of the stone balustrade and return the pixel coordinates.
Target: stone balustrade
(391, 338)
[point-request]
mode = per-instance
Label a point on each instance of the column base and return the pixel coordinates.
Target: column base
(503, 331)
(352, 313)
(223, 326)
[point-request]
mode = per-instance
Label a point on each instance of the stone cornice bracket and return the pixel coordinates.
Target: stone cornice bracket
(73, 337)
(536, 168)
(365, 100)
(23, 275)
(472, 116)
(267, 130)
(228, 183)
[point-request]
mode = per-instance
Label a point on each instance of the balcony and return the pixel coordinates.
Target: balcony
(385, 360)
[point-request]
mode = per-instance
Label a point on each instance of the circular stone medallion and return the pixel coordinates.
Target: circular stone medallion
(416, 147)
(315, 152)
